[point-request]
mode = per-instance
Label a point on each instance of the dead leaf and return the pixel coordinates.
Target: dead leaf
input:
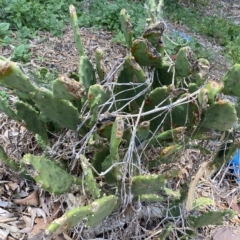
(40, 225)
(32, 199)
(41, 213)
(3, 204)
(232, 202)
(3, 234)
(16, 235)
(29, 224)
(8, 227)
(13, 186)
(5, 214)
(44, 205)
(225, 234)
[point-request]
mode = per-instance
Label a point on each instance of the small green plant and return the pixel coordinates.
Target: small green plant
(21, 53)
(223, 30)
(4, 29)
(174, 40)
(106, 16)
(4, 34)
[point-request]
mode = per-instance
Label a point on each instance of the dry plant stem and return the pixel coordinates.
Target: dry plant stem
(114, 69)
(8, 219)
(178, 102)
(192, 187)
(129, 158)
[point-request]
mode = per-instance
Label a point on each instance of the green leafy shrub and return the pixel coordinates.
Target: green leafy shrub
(106, 15)
(36, 15)
(224, 31)
(21, 53)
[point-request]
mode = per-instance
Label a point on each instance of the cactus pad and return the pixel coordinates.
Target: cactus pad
(89, 181)
(154, 32)
(126, 27)
(184, 62)
(220, 116)
(58, 110)
(209, 218)
(100, 209)
(31, 117)
(6, 108)
(67, 88)
(214, 87)
(145, 54)
(11, 76)
(232, 81)
(124, 91)
(149, 184)
(101, 70)
(47, 174)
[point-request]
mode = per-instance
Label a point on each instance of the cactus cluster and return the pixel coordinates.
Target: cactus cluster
(120, 120)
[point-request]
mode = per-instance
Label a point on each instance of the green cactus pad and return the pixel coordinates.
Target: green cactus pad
(13, 165)
(149, 184)
(220, 116)
(11, 76)
(131, 73)
(210, 218)
(70, 219)
(214, 87)
(151, 198)
(142, 132)
(99, 156)
(96, 96)
(6, 108)
(86, 73)
(48, 175)
(203, 98)
(67, 88)
(89, 181)
(126, 27)
(100, 209)
(101, 71)
(184, 62)
(192, 87)
(95, 213)
(44, 118)
(74, 23)
(202, 202)
(167, 155)
(223, 156)
(183, 115)
(145, 54)
(167, 151)
(153, 34)
(31, 117)
(201, 71)
(158, 97)
(163, 75)
(58, 110)
(232, 81)
(116, 137)
(167, 136)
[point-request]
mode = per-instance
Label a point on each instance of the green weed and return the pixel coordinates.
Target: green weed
(34, 15)
(21, 53)
(106, 15)
(225, 32)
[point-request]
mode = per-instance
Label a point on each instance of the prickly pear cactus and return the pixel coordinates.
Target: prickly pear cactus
(125, 128)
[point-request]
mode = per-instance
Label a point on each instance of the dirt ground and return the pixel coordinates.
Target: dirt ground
(25, 209)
